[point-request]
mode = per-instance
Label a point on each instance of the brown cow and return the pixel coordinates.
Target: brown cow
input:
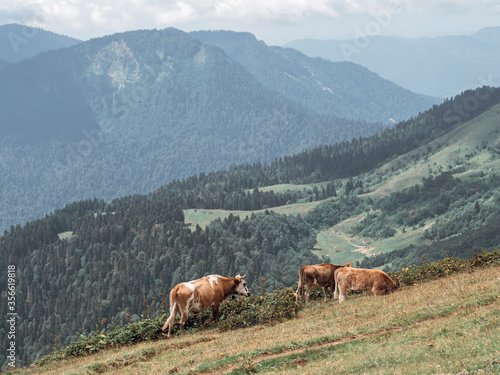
(362, 280)
(197, 295)
(321, 275)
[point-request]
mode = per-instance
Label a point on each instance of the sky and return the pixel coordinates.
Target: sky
(274, 21)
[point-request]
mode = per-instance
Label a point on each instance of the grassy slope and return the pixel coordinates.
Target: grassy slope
(443, 326)
(402, 171)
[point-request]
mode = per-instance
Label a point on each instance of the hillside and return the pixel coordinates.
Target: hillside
(97, 259)
(325, 87)
(386, 213)
(440, 66)
(19, 42)
(443, 326)
(126, 113)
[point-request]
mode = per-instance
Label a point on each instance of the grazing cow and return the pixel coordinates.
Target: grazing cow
(321, 275)
(197, 295)
(357, 279)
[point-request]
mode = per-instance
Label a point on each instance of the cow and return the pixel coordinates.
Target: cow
(358, 279)
(321, 275)
(209, 291)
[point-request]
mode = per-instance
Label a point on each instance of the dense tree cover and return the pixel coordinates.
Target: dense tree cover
(119, 253)
(342, 159)
(125, 113)
(326, 87)
(466, 214)
(18, 42)
(128, 251)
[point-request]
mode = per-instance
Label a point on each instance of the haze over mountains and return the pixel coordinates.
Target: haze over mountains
(439, 66)
(318, 84)
(128, 112)
(19, 42)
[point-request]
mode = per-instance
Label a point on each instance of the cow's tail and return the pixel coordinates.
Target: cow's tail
(173, 309)
(298, 293)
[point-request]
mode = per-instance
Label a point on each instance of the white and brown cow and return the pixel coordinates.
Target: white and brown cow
(321, 275)
(357, 279)
(209, 291)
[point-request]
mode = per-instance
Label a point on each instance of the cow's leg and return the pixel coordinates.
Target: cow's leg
(298, 293)
(377, 291)
(170, 321)
(343, 293)
(184, 318)
(215, 313)
(325, 288)
(214, 317)
(308, 292)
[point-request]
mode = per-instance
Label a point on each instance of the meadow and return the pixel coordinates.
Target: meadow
(442, 326)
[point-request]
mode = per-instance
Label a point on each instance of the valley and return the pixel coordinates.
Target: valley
(472, 148)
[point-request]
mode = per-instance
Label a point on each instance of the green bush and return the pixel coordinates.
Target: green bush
(260, 309)
(411, 275)
(264, 308)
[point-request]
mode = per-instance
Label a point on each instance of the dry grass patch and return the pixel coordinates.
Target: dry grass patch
(443, 326)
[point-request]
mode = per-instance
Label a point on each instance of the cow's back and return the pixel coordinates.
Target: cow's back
(320, 274)
(363, 280)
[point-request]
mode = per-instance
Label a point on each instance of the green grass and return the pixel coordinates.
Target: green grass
(447, 324)
(443, 326)
(203, 217)
(65, 235)
(465, 149)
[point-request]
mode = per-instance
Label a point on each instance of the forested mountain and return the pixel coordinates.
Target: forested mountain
(325, 87)
(97, 259)
(440, 66)
(19, 42)
(128, 112)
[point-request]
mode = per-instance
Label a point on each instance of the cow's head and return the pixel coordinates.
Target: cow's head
(241, 286)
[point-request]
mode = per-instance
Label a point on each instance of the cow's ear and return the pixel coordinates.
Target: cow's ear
(237, 280)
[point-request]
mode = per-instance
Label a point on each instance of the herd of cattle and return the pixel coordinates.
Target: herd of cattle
(213, 290)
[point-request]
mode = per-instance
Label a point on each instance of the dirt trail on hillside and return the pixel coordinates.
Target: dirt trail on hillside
(299, 362)
(363, 249)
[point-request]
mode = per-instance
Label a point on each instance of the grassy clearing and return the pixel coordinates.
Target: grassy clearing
(470, 147)
(203, 217)
(443, 326)
(65, 235)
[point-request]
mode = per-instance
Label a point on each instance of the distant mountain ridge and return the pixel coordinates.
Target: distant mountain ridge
(440, 66)
(128, 112)
(19, 42)
(323, 86)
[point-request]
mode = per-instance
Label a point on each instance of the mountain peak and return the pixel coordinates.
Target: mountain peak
(19, 42)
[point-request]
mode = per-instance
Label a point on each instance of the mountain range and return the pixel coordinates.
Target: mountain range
(125, 113)
(210, 152)
(326, 88)
(437, 66)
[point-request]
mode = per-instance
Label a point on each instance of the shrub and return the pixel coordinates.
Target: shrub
(242, 312)
(429, 271)
(264, 308)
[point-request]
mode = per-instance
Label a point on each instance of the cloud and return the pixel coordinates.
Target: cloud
(92, 18)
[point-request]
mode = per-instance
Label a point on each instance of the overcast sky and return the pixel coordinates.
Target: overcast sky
(274, 21)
